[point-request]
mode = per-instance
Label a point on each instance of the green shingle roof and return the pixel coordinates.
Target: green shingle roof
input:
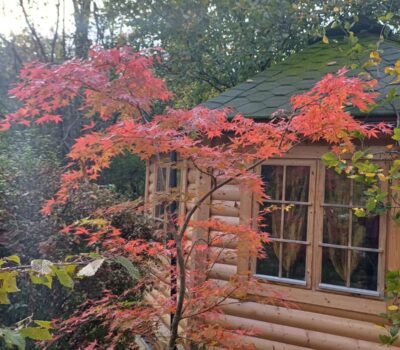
(270, 90)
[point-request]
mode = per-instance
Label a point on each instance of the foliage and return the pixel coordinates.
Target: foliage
(212, 45)
(119, 84)
(40, 272)
(392, 315)
(126, 174)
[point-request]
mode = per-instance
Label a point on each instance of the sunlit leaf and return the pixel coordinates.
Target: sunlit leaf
(91, 268)
(42, 266)
(36, 333)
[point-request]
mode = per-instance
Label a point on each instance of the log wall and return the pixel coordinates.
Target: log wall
(301, 318)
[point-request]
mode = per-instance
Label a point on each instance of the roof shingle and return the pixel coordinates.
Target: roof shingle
(260, 96)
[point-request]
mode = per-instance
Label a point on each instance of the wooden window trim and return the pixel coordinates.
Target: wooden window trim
(308, 265)
(181, 166)
(319, 239)
(314, 254)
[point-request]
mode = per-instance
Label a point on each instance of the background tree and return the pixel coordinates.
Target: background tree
(214, 45)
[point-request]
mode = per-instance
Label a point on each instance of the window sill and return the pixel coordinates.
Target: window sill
(350, 291)
(363, 304)
(281, 280)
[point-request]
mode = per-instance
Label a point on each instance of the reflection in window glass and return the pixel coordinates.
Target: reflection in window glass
(297, 180)
(336, 225)
(269, 266)
(295, 223)
(337, 188)
(364, 270)
(272, 221)
(365, 232)
(334, 266)
(294, 261)
(272, 177)
(359, 198)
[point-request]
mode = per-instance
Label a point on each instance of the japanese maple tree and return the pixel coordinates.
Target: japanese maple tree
(115, 91)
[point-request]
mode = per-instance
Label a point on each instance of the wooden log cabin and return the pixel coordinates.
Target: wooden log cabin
(328, 264)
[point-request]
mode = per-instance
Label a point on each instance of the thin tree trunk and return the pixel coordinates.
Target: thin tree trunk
(81, 16)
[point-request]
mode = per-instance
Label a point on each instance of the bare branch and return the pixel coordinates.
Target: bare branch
(55, 36)
(34, 33)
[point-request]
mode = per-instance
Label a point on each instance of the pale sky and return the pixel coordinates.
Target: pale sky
(42, 14)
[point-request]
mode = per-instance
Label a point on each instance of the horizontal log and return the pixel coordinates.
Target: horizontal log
(304, 319)
(222, 271)
(231, 220)
(296, 336)
(224, 255)
(225, 208)
(218, 239)
(223, 240)
(263, 344)
(321, 298)
(227, 192)
(319, 302)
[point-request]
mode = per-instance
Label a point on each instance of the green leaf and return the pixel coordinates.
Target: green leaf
(4, 298)
(70, 269)
(64, 278)
(385, 339)
(8, 282)
(43, 324)
(359, 212)
(46, 280)
(330, 159)
(394, 330)
(36, 333)
(396, 134)
(357, 156)
(129, 267)
(91, 268)
(12, 339)
(13, 258)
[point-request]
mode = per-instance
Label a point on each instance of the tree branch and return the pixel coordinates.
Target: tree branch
(34, 34)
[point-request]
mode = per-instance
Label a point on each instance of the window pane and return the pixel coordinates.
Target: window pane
(359, 198)
(294, 261)
(272, 177)
(295, 223)
(364, 270)
(161, 179)
(270, 265)
(334, 266)
(336, 225)
(365, 232)
(159, 211)
(297, 181)
(178, 177)
(337, 188)
(272, 221)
